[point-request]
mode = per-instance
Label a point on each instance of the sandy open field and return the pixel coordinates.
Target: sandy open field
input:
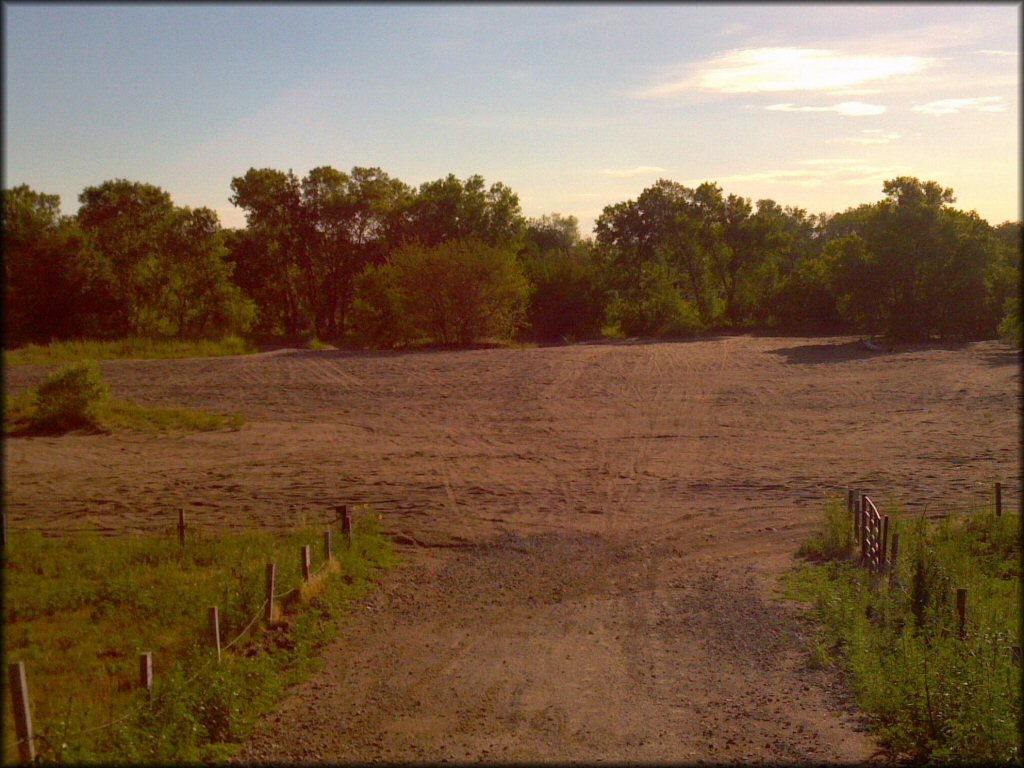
(593, 532)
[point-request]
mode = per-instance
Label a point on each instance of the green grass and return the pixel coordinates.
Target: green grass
(64, 352)
(79, 610)
(75, 398)
(929, 696)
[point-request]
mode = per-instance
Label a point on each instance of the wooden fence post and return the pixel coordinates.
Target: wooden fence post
(328, 546)
(882, 554)
(346, 525)
(22, 716)
(304, 555)
(863, 529)
(895, 551)
(181, 526)
(999, 499)
(215, 629)
(3, 531)
(270, 592)
(146, 672)
(961, 609)
(854, 510)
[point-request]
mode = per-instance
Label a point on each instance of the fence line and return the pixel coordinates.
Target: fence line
(204, 666)
(870, 535)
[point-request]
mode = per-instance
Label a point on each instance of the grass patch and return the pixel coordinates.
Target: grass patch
(79, 610)
(930, 696)
(318, 346)
(65, 352)
(121, 414)
(75, 398)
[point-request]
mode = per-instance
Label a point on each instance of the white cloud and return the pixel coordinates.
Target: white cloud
(735, 29)
(855, 92)
(639, 170)
(990, 52)
(870, 136)
(954, 106)
(774, 70)
(846, 108)
(819, 173)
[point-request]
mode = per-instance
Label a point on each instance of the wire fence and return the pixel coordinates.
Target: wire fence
(24, 744)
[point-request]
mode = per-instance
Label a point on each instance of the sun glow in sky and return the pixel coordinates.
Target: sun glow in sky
(574, 107)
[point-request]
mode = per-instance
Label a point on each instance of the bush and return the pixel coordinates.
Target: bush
(376, 312)
(1011, 328)
(567, 300)
(458, 292)
(70, 399)
(656, 309)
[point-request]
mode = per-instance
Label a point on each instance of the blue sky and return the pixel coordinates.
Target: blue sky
(575, 107)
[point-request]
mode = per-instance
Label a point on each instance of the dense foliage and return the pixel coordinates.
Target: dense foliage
(931, 695)
(364, 258)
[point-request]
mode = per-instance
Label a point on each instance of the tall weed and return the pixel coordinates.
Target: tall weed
(929, 695)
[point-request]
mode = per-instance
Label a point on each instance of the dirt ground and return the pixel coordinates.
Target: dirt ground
(592, 533)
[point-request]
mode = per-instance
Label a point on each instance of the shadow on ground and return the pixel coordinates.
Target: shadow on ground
(818, 354)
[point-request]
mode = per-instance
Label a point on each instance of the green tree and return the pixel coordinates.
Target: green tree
(458, 292)
(275, 247)
(189, 291)
(56, 286)
(449, 209)
(923, 268)
(660, 243)
(124, 220)
(567, 297)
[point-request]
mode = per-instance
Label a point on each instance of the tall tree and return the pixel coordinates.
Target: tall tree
(56, 286)
(124, 220)
(449, 209)
(277, 241)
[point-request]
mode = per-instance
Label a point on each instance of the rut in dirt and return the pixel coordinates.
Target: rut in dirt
(563, 647)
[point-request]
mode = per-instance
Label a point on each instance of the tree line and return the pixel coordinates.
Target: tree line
(361, 257)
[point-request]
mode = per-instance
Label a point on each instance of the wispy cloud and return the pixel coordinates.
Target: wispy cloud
(953, 106)
(990, 52)
(774, 70)
(639, 170)
(818, 173)
(855, 92)
(870, 136)
(735, 29)
(846, 108)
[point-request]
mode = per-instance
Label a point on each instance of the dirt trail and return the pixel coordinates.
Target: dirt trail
(593, 533)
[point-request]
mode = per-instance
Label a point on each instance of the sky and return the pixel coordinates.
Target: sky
(575, 107)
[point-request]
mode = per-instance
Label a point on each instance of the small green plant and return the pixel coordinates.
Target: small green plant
(835, 537)
(319, 346)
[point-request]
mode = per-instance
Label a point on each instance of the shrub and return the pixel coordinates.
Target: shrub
(70, 399)
(567, 300)
(458, 292)
(1011, 327)
(656, 309)
(376, 312)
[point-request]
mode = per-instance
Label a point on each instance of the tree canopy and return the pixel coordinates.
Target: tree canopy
(364, 257)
